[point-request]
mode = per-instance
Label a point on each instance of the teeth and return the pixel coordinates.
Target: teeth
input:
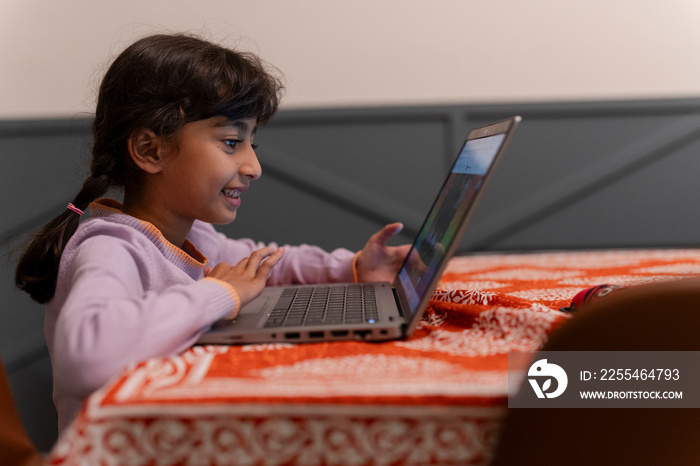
(234, 193)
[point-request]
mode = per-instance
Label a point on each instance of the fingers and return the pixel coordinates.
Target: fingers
(249, 276)
(271, 261)
(255, 258)
(261, 261)
(388, 232)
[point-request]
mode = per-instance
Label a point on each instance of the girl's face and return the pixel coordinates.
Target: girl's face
(208, 169)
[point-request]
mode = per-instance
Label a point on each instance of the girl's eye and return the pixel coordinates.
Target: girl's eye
(232, 143)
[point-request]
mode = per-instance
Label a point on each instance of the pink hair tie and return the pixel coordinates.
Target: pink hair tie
(75, 209)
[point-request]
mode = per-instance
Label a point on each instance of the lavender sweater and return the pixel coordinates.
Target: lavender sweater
(125, 294)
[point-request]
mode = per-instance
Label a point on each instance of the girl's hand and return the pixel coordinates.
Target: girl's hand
(248, 277)
(378, 262)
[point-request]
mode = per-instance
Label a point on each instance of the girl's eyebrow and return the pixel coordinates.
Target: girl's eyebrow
(242, 125)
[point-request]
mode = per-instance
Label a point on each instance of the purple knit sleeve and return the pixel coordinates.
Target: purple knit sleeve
(300, 264)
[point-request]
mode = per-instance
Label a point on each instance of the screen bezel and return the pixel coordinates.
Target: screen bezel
(506, 127)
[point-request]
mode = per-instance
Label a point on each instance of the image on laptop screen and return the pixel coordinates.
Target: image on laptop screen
(443, 222)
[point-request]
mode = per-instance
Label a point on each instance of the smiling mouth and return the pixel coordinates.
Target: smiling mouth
(232, 193)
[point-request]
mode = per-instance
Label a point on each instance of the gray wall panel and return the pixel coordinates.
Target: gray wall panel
(651, 206)
(562, 155)
(43, 164)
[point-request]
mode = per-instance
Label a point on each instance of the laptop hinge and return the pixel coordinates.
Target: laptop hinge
(398, 302)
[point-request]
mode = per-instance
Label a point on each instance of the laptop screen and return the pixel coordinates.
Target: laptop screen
(435, 239)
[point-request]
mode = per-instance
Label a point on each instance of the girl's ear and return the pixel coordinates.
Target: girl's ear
(147, 150)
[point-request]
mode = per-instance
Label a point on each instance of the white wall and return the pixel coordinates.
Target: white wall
(369, 52)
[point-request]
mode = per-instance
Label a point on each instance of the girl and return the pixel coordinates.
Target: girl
(174, 126)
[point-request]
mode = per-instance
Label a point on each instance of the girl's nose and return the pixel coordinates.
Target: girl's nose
(250, 168)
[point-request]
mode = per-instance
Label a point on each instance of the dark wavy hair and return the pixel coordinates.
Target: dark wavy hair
(159, 83)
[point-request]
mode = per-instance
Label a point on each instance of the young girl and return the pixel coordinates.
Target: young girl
(174, 125)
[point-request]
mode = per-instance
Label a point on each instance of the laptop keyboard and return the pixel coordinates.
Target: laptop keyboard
(325, 305)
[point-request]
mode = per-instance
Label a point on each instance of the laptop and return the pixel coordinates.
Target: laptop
(377, 311)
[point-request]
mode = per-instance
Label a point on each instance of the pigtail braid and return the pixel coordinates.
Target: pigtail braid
(37, 269)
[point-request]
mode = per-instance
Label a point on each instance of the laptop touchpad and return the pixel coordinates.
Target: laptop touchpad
(254, 306)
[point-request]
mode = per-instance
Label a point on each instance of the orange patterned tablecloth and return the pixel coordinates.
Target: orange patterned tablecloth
(436, 397)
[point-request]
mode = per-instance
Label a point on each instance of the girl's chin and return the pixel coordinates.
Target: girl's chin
(226, 221)
(221, 218)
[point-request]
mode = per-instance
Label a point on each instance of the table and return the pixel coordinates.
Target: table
(437, 397)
